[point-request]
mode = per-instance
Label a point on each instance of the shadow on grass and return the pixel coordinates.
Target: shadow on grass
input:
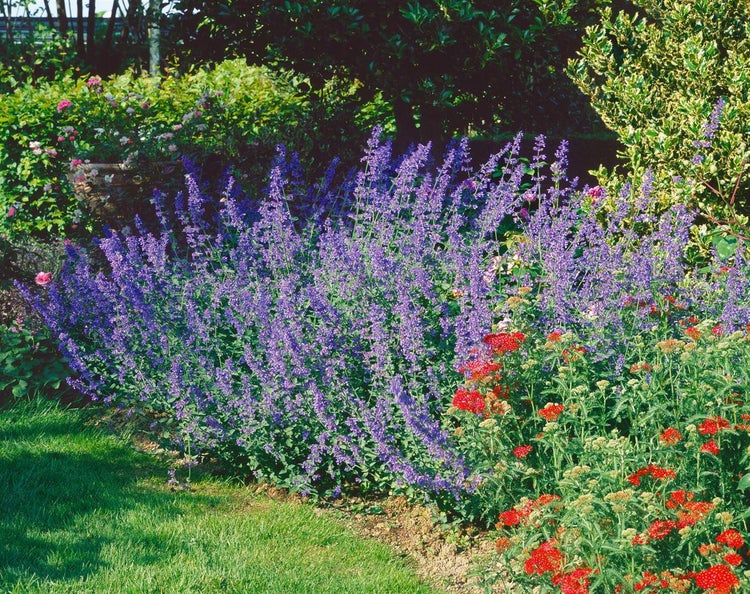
(63, 491)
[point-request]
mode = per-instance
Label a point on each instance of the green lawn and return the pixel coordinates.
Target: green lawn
(81, 511)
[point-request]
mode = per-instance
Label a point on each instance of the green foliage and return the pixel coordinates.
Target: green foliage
(29, 362)
(621, 473)
(232, 111)
(43, 55)
(443, 67)
(654, 78)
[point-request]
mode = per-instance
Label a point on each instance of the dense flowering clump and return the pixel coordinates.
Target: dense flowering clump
(545, 558)
(242, 323)
(654, 472)
(504, 343)
(712, 426)
(469, 401)
(551, 410)
(731, 538)
(670, 436)
(717, 579)
(379, 335)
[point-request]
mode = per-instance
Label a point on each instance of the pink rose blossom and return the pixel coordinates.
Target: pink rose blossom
(63, 105)
(11, 211)
(43, 278)
(596, 192)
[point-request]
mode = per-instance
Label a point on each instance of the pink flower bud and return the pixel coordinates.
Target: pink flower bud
(43, 278)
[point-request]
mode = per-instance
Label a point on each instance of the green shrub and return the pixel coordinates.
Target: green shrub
(655, 76)
(48, 131)
(29, 362)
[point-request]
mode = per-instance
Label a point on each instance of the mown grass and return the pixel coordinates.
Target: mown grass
(83, 511)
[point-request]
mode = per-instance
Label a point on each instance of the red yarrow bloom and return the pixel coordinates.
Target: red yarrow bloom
(543, 559)
(718, 579)
(731, 538)
(713, 425)
(650, 581)
(660, 529)
(503, 342)
(43, 278)
(653, 471)
(733, 559)
(710, 447)
(670, 436)
(545, 499)
(554, 336)
(551, 411)
(509, 518)
(479, 369)
(522, 451)
(693, 332)
(693, 512)
(469, 401)
(575, 582)
(677, 498)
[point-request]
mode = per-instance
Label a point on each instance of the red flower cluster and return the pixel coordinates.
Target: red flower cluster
(692, 512)
(677, 498)
(575, 582)
(551, 411)
(513, 517)
(689, 512)
(572, 354)
(509, 518)
(670, 436)
(503, 342)
(543, 559)
(660, 529)
(653, 471)
(733, 559)
(710, 447)
(712, 426)
(640, 368)
(651, 581)
(522, 451)
(468, 401)
(731, 538)
(693, 332)
(717, 579)
(554, 336)
(479, 369)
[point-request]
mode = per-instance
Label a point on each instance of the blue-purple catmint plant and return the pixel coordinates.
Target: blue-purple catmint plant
(318, 352)
(313, 336)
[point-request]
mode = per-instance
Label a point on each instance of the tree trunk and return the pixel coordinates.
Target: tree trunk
(80, 44)
(48, 12)
(90, 32)
(62, 18)
(6, 10)
(154, 34)
(111, 26)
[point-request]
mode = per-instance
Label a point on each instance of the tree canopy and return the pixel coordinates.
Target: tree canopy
(446, 67)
